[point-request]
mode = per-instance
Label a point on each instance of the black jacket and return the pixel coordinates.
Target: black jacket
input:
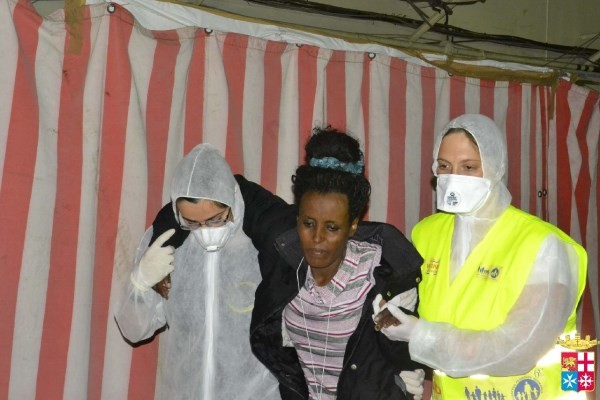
(371, 362)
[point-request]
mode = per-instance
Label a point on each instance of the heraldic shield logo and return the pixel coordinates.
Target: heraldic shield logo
(578, 371)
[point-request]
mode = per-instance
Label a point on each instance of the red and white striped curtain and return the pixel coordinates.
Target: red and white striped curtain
(95, 115)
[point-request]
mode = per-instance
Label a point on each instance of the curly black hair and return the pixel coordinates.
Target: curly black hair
(329, 142)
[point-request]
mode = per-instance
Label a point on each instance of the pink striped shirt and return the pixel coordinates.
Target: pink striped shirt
(320, 319)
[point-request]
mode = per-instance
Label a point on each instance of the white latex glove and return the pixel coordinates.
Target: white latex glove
(406, 299)
(403, 331)
(155, 264)
(414, 382)
(376, 308)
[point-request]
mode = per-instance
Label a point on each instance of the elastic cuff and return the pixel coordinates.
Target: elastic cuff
(137, 285)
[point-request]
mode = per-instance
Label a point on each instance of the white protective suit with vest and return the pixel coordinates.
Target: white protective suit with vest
(499, 287)
(204, 350)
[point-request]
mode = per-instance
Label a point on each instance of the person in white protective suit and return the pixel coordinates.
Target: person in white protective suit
(499, 287)
(207, 279)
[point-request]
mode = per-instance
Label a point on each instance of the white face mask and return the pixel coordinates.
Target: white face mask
(461, 194)
(213, 239)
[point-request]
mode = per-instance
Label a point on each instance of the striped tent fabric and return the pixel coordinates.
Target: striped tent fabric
(94, 116)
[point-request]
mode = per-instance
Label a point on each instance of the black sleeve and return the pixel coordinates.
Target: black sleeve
(400, 268)
(266, 215)
(397, 353)
(399, 271)
(165, 220)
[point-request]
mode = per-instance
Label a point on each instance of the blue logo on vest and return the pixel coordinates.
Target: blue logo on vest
(477, 393)
(527, 388)
(489, 272)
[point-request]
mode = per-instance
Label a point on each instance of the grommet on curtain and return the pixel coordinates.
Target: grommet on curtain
(371, 56)
(111, 8)
(208, 31)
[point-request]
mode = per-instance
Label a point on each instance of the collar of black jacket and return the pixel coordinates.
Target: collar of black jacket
(288, 246)
(165, 220)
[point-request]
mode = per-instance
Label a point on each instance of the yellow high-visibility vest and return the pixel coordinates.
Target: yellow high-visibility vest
(483, 293)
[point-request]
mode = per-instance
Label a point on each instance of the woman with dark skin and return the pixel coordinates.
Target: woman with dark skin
(321, 269)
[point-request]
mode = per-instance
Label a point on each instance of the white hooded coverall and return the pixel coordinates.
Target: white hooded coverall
(204, 352)
(537, 319)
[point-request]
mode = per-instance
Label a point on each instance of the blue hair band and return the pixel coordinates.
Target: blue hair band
(355, 168)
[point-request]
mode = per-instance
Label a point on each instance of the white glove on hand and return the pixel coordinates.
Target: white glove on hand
(414, 382)
(155, 264)
(407, 300)
(403, 331)
(376, 308)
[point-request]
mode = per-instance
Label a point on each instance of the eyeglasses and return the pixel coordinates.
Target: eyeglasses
(213, 222)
